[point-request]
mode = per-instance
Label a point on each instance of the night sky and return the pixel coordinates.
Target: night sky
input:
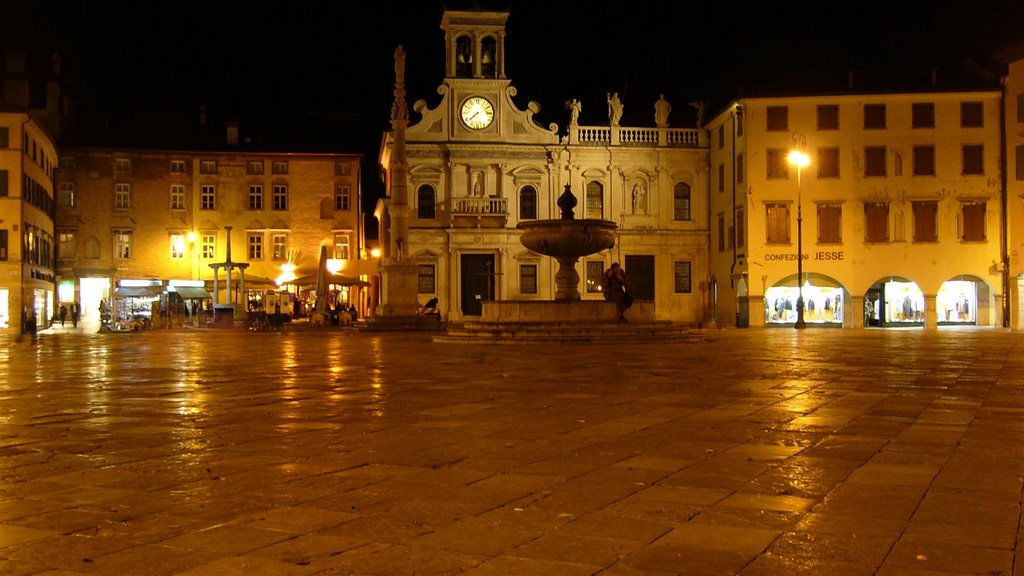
(131, 63)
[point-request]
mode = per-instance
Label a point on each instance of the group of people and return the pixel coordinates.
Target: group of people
(76, 314)
(616, 289)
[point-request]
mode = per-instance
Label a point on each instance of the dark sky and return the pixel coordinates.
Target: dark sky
(258, 60)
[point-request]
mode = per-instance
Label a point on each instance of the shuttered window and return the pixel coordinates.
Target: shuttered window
(925, 216)
(876, 216)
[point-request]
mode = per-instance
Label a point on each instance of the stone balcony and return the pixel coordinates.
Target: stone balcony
(625, 136)
(479, 212)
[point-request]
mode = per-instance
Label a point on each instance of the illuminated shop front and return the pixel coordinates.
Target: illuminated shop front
(897, 302)
(5, 308)
(823, 302)
(957, 302)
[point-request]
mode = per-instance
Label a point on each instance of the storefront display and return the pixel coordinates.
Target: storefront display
(957, 302)
(822, 305)
(5, 310)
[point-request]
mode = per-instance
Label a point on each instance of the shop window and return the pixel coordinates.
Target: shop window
(874, 161)
(342, 197)
(721, 232)
(594, 205)
(823, 305)
(682, 272)
(256, 197)
(830, 223)
(778, 223)
(925, 218)
(426, 201)
(255, 246)
(828, 117)
(973, 159)
(876, 216)
(957, 302)
(972, 115)
(426, 279)
(828, 162)
(778, 166)
(924, 160)
(595, 276)
(527, 278)
(777, 118)
(681, 201)
(528, 203)
(922, 115)
(874, 116)
(973, 217)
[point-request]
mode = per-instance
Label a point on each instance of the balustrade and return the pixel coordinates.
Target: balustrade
(479, 206)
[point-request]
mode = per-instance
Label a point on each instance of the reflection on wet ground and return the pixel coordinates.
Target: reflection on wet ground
(755, 452)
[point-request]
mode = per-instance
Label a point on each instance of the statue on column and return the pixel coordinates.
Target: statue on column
(661, 111)
(614, 108)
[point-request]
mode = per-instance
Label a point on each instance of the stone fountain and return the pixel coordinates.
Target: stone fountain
(567, 240)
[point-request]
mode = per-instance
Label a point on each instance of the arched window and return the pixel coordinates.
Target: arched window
(528, 203)
(681, 201)
(425, 202)
(488, 58)
(594, 206)
(464, 57)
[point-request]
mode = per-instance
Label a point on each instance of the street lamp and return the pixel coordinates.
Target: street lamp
(799, 159)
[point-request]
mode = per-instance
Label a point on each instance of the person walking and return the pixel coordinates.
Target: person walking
(76, 313)
(63, 314)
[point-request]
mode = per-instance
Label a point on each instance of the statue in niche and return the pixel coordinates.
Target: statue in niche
(615, 108)
(573, 106)
(478, 184)
(661, 111)
(639, 198)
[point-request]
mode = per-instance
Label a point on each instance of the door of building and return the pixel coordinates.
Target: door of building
(640, 275)
(477, 282)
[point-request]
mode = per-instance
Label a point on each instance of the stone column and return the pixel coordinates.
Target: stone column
(931, 316)
(854, 317)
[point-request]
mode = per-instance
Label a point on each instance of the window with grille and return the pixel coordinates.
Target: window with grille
(681, 201)
(123, 165)
(830, 223)
(207, 166)
(594, 204)
(426, 279)
(527, 278)
(777, 231)
(177, 246)
(279, 167)
(683, 277)
(876, 216)
(925, 219)
(177, 167)
(66, 244)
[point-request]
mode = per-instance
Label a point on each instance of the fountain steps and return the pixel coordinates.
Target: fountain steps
(599, 332)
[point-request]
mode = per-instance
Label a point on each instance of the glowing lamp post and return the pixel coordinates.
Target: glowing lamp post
(799, 159)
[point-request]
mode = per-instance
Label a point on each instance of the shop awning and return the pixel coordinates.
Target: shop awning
(138, 291)
(191, 292)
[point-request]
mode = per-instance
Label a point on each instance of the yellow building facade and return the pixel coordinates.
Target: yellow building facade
(28, 161)
(898, 211)
(135, 222)
(1013, 86)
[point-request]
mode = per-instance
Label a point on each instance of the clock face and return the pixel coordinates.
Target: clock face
(477, 113)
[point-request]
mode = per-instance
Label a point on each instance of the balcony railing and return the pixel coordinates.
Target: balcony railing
(653, 137)
(479, 206)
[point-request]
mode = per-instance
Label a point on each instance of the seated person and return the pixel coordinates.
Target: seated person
(430, 308)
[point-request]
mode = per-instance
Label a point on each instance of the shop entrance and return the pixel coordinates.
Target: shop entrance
(894, 302)
(92, 291)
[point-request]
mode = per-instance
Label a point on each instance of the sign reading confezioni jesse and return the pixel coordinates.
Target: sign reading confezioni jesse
(786, 256)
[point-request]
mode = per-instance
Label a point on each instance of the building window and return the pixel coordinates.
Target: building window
(207, 166)
(777, 118)
(122, 244)
(527, 278)
(828, 162)
(778, 167)
(280, 243)
(342, 198)
(740, 224)
(207, 197)
(778, 223)
(255, 246)
(255, 196)
(1020, 107)
(426, 279)
(874, 116)
(177, 246)
(67, 191)
(208, 246)
(972, 115)
(925, 217)
(65, 162)
(683, 273)
(721, 177)
(595, 276)
(973, 215)
(5, 138)
(924, 160)
(876, 216)
(681, 201)
(721, 136)
(426, 202)
(341, 247)
(5, 179)
(973, 159)
(177, 166)
(122, 195)
(3, 245)
(830, 224)
(279, 167)
(177, 197)
(922, 115)
(739, 169)
(828, 117)
(280, 197)
(874, 161)
(254, 167)
(721, 232)
(594, 204)
(123, 164)
(66, 244)
(528, 203)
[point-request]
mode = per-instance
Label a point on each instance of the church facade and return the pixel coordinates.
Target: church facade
(476, 164)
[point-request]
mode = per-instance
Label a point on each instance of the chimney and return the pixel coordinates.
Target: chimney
(232, 132)
(849, 78)
(202, 115)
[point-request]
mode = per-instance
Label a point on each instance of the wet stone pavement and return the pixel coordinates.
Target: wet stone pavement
(753, 453)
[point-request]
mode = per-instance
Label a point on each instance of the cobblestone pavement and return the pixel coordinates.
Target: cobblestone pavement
(756, 452)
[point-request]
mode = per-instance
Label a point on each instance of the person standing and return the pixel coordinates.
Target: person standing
(76, 313)
(63, 314)
(615, 290)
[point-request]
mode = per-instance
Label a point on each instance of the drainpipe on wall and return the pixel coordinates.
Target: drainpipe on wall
(1003, 232)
